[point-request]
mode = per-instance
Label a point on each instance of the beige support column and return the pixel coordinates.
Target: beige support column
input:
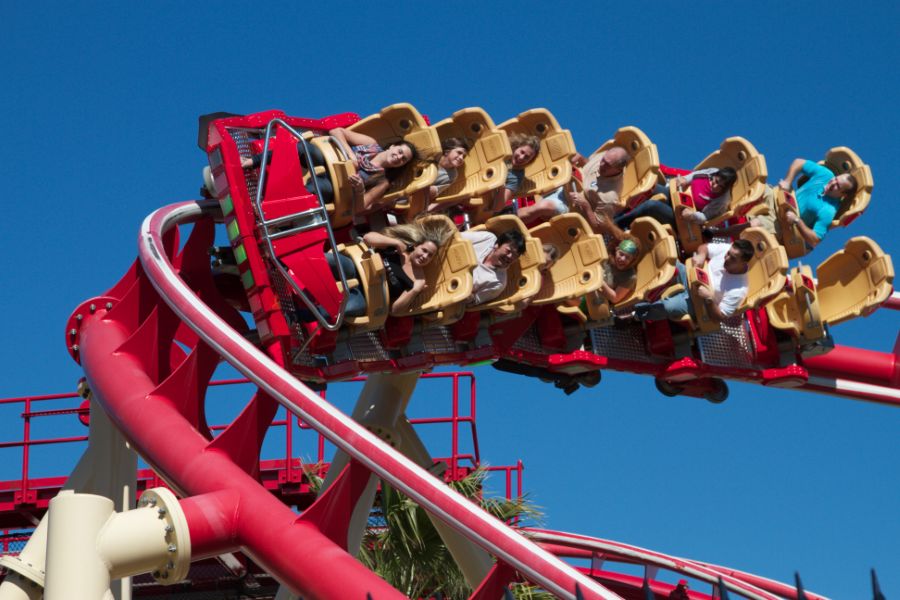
(89, 544)
(472, 560)
(381, 405)
(74, 571)
(107, 468)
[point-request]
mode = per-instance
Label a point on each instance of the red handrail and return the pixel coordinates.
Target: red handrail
(292, 474)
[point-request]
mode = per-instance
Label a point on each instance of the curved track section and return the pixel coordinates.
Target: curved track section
(599, 550)
(149, 356)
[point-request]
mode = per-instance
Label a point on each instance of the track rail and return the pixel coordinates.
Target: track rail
(149, 353)
(750, 586)
(290, 548)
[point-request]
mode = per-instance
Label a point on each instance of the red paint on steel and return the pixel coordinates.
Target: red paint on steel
(263, 527)
(856, 364)
(573, 545)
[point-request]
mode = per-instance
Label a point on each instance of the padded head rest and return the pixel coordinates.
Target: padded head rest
(767, 273)
(551, 168)
(485, 165)
(642, 170)
(844, 160)
(742, 156)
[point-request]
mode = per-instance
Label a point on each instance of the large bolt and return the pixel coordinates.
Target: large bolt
(74, 347)
(169, 529)
(108, 305)
(79, 317)
(172, 548)
(162, 512)
(93, 308)
(73, 331)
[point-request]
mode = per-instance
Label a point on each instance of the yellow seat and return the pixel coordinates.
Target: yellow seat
(854, 281)
(485, 167)
(766, 277)
(448, 276)
(796, 310)
(523, 277)
(789, 237)
(371, 280)
(844, 160)
(746, 193)
(656, 265)
(339, 170)
(641, 173)
(551, 168)
(697, 277)
(654, 269)
(767, 273)
(579, 268)
(839, 160)
(403, 122)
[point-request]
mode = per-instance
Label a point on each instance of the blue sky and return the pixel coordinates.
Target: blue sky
(102, 99)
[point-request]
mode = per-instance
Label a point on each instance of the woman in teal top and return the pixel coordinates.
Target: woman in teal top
(818, 198)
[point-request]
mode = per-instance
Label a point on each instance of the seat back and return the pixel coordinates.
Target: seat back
(485, 167)
(370, 270)
(523, 277)
(796, 308)
(702, 322)
(551, 168)
(690, 234)
(579, 269)
(750, 166)
(448, 276)
(656, 266)
(766, 277)
(747, 193)
(340, 211)
(789, 236)
(844, 160)
(403, 122)
(641, 173)
(854, 281)
(767, 273)
(598, 309)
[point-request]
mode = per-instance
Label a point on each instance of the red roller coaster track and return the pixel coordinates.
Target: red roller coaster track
(136, 331)
(149, 347)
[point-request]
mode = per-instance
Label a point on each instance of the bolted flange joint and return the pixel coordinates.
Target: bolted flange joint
(24, 570)
(173, 567)
(98, 306)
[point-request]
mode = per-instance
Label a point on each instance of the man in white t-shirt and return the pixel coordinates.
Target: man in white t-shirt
(727, 268)
(495, 254)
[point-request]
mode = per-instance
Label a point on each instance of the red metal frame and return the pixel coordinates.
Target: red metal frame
(149, 347)
(581, 547)
(24, 499)
(157, 411)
